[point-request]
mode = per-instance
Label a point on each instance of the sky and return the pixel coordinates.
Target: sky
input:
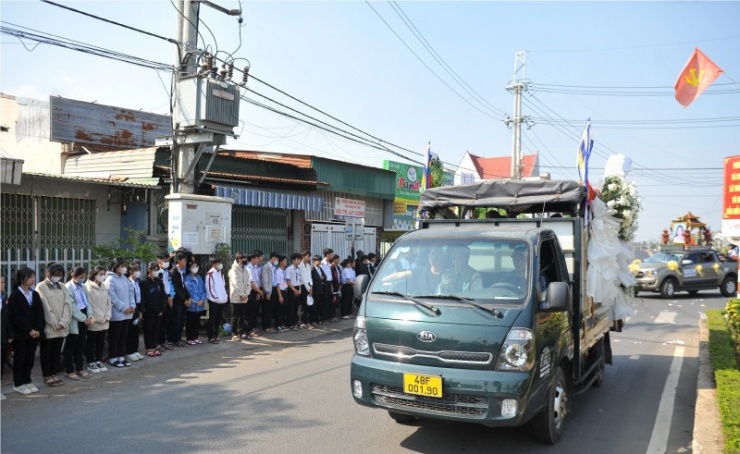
(418, 73)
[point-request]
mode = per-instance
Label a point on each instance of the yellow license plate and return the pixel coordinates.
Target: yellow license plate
(423, 385)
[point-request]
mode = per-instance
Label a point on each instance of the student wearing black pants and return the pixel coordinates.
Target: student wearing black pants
(153, 302)
(57, 317)
(180, 302)
(26, 320)
(217, 299)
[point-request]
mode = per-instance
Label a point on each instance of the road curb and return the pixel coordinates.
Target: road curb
(707, 437)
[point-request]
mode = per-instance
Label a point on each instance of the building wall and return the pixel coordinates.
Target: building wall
(466, 167)
(107, 219)
(27, 138)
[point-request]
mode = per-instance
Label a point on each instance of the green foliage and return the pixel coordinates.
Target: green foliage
(223, 251)
(727, 376)
(732, 311)
(437, 171)
(132, 247)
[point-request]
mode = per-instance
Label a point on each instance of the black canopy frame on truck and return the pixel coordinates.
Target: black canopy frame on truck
(540, 198)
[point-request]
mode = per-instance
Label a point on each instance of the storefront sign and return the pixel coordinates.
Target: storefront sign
(348, 208)
(731, 206)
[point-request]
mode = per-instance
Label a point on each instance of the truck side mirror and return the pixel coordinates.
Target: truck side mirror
(558, 297)
(360, 286)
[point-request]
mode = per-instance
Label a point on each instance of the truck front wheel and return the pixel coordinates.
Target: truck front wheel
(548, 425)
(728, 287)
(668, 288)
(401, 418)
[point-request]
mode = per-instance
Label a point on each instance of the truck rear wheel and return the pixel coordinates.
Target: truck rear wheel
(401, 418)
(548, 425)
(728, 287)
(668, 288)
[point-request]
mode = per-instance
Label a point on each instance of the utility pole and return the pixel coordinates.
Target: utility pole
(183, 180)
(206, 101)
(517, 85)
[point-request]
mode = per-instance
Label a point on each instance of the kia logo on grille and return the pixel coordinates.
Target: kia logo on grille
(426, 336)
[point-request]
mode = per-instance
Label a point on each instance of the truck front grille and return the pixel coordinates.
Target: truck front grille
(449, 405)
(446, 356)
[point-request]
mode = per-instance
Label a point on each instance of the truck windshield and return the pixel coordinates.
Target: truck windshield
(485, 271)
(661, 257)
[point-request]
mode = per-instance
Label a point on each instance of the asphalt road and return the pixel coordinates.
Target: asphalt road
(290, 393)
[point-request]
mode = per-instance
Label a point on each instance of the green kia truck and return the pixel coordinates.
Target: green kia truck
(481, 314)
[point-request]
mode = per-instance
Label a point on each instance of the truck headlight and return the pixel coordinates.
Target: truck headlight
(649, 272)
(518, 351)
(362, 346)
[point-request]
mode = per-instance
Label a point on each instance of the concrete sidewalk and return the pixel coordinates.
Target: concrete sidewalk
(266, 342)
(707, 437)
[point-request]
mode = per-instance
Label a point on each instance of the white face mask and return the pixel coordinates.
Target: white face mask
(220, 266)
(165, 265)
(137, 274)
(100, 278)
(56, 279)
(81, 281)
(123, 270)
(154, 274)
(194, 270)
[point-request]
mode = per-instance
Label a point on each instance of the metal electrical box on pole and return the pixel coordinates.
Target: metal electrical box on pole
(517, 85)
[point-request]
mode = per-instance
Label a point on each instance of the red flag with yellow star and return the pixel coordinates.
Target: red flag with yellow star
(697, 75)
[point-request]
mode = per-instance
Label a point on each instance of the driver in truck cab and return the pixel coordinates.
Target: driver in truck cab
(460, 277)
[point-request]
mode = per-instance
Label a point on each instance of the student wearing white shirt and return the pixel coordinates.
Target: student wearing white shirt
(280, 294)
(294, 281)
(307, 288)
(326, 307)
(348, 283)
(217, 299)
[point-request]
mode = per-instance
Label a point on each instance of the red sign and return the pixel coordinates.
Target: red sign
(731, 206)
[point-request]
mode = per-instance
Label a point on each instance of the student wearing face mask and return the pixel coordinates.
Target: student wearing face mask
(134, 329)
(268, 284)
(164, 274)
(239, 290)
(57, 315)
(74, 345)
(217, 299)
(197, 289)
(26, 320)
(153, 302)
(121, 294)
(100, 312)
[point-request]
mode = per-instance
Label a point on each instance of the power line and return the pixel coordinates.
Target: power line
(169, 40)
(427, 66)
(460, 81)
(41, 37)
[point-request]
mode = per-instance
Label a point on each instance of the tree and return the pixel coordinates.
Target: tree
(437, 171)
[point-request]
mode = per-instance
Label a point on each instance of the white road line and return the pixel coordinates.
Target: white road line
(662, 428)
(666, 317)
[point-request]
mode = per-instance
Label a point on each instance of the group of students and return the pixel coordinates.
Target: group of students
(112, 304)
(293, 292)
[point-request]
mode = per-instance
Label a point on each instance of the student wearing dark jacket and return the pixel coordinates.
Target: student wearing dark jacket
(318, 292)
(181, 300)
(153, 303)
(26, 320)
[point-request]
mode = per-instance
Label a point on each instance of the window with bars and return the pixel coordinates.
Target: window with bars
(61, 222)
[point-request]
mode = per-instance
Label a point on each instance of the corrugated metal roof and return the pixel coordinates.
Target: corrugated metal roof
(151, 183)
(356, 179)
(263, 178)
(126, 163)
(298, 160)
(281, 199)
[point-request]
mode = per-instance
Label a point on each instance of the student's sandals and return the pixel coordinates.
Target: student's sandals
(150, 353)
(52, 381)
